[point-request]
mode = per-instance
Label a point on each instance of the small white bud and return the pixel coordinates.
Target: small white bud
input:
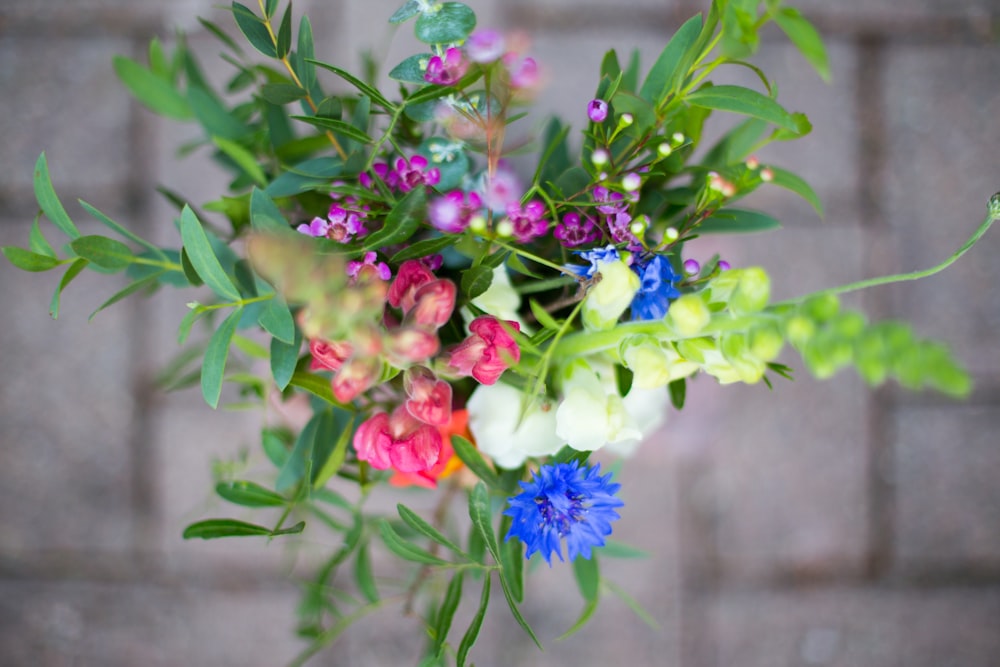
(505, 228)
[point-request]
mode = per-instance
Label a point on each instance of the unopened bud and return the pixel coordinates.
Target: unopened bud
(994, 206)
(477, 223)
(799, 330)
(766, 175)
(752, 292)
(728, 189)
(664, 149)
(599, 157)
(677, 138)
(505, 228)
(822, 308)
(625, 120)
(671, 234)
(691, 267)
(639, 225)
(766, 343)
(631, 182)
(689, 314)
(752, 162)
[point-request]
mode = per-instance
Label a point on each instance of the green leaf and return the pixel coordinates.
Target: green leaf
(412, 69)
(805, 37)
(409, 9)
(137, 285)
(29, 261)
(475, 462)
(786, 179)
(335, 460)
(285, 33)
(72, 272)
(264, 215)
(446, 613)
(414, 521)
(671, 67)
(249, 494)
(306, 50)
(211, 529)
(276, 319)
(48, 200)
(152, 91)
(270, 7)
(615, 549)
(424, 248)
(404, 549)
(476, 280)
(516, 613)
(338, 126)
(472, 633)
(736, 144)
(543, 316)
(588, 578)
(243, 158)
(512, 560)
(588, 611)
(746, 101)
(678, 392)
(363, 574)
(203, 259)
(37, 242)
(221, 35)
(482, 520)
(316, 385)
(450, 159)
(253, 28)
(103, 252)
(284, 359)
(214, 366)
(374, 94)
(736, 221)
(281, 93)
(402, 221)
(114, 226)
(301, 456)
(453, 22)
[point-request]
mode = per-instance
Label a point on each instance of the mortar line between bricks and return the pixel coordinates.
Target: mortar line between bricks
(877, 255)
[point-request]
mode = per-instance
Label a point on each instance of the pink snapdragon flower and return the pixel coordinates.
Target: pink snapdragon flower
(448, 70)
(433, 305)
(527, 222)
(356, 376)
(407, 345)
(428, 398)
(397, 441)
(411, 275)
(329, 355)
(488, 351)
(453, 212)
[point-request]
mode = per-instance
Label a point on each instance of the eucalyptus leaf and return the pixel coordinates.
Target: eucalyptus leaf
(412, 69)
(254, 29)
(449, 24)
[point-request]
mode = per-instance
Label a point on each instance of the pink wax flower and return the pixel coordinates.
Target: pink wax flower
(398, 441)
(428, 398)
(502, 189)
(344, 225)
(318, 227)
(434, 303)
(411, 275)
(411, 173)
(452, 213)
(368, 268)
(485, 45)
(610, 202)
(523, 71)
(329, 355)
(411, 345)
(597, 110)
(527, 221)
(488, 351)
(575, 230)
(356, 375)
(448, 70)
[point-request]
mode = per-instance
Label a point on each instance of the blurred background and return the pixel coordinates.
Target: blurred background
(815, 524)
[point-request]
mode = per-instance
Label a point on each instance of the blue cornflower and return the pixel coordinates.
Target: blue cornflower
(595, 257)
(563, 501)
(656, 288)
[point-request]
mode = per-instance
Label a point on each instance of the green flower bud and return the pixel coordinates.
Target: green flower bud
(736, 350)
(822, 308)
(994, 206)
(689, 314)
(752, 293)
(652, 364)
(608, 299)
(799, 329)
(766, 342)
(849, 325)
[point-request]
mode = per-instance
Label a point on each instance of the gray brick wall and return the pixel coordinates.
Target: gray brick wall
(821, 524)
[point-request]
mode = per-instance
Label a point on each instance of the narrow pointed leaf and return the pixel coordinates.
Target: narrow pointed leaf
(790, 181)
(446, 613)
(103, 252)
(249, 494)
(471, 457)
(671, 67)
(376, 97)
(72, 272)
(427, 530)
(284, 45)
(737, 221)
(805, 37)
(402, 221)
(130, 289)
(253, 28)
(152, 91)
(210, 529)
(363, 574)
(37, 242)
(472, 633)
(213, 367)
(284, 359)
(126, 233)
(746, 101)
(203, 258)
(338, 126)
(29, 261)
(404, 549)
(48, 200)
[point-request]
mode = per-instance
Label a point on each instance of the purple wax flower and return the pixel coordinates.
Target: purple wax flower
(575, 230)
(411, 173)
(597, 110)
(451, 213)
(344, 225)
(527, 221)
(446, 71)
(609, 202)
(691, 266)
(317, 227)
(502, 190)
(368, 266)
(523, 71)
(485, 46)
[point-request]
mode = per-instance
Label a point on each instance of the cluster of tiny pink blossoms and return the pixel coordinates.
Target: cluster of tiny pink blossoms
(484, 47)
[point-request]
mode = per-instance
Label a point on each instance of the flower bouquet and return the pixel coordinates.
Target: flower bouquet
(412, 308)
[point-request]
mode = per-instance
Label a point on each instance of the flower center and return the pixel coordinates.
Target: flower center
(561, 511)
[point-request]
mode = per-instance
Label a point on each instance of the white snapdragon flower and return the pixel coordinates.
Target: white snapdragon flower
(608, 299)
(500, 431)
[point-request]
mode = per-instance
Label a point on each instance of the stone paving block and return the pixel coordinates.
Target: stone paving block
(947, 463)
(941, 106)
(90, 624)
(69, 104)
(67, 410)
(852, 628)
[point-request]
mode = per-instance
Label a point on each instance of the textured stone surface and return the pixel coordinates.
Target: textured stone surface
(91, 624)
(941, 173)
(853, 628)
(947, 463)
